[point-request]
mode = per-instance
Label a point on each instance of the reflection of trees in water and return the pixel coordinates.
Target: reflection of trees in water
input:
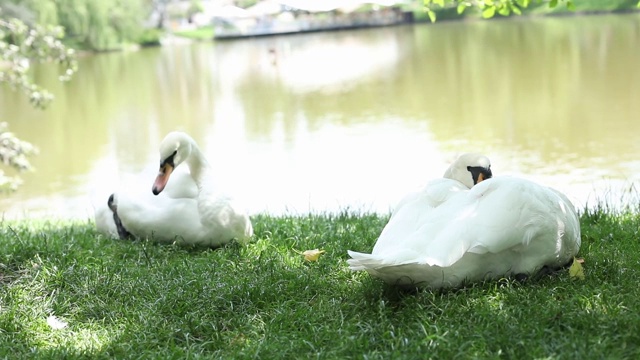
(541, 84)
(560, 87)
(291, 96)
(555, 89)
(62, 128)
(125, 101)
(551, 85)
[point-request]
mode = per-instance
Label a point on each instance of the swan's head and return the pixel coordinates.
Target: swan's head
(469, 169)
(174, 149)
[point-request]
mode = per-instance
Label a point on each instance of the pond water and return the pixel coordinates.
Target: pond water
(345, 120)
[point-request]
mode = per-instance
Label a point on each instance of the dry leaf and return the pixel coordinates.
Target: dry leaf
(575, 270)
(312, 255)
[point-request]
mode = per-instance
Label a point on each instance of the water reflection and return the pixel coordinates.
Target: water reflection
(347, 119)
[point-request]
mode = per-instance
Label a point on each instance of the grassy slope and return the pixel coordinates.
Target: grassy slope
(141, 300)
(203, 33)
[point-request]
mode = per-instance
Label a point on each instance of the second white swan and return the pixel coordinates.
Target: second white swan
(461, 229)
(193, 211)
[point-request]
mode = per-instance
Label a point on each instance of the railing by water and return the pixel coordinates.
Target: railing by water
(289, 22)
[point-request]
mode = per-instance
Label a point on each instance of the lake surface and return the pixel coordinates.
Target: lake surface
(345, 120)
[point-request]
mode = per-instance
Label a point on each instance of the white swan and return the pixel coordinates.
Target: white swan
(449, 233)
(190, 211)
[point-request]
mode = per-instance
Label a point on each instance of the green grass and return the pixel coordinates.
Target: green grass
(201, 33)
(141, 300)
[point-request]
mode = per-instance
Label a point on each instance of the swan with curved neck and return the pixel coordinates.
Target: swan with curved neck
(470, 226)
(176, 148)
(192, 211)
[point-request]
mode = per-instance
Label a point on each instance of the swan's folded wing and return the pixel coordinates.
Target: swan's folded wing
(103, 216)
(413, 211)
(498, 215)
(104, 221)
(440, 237)
(479, 221)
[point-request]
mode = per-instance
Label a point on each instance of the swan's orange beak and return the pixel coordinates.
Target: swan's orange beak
(162, 178)
(480, 177)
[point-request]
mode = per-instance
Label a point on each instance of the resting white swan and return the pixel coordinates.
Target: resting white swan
(462, 229)
(189, 211)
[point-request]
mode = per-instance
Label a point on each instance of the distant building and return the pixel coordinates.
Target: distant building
(270, 17)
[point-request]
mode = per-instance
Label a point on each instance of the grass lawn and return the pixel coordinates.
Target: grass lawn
(202, 33)
(141, 300)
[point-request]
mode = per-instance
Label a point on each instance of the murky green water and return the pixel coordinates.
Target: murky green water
(350, 119)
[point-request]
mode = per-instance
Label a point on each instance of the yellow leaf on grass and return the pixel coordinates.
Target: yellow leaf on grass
(575, 270)
(312, 255)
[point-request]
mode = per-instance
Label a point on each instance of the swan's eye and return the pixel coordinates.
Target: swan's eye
(479, 173)
(170, 159)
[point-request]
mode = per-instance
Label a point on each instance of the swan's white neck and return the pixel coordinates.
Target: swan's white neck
(201, 173)
(198, 166)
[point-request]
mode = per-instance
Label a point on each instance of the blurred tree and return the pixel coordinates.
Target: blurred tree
(13, 153)
(20, 44)
(195, 6)
(90, 24)
(101, 24)
(46, 13)
(158, 11)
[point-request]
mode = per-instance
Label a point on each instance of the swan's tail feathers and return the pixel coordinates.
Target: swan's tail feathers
(112, 203)
(243, 230)
(248, 229)
(360, 261)
(104, 220)
(407, 274)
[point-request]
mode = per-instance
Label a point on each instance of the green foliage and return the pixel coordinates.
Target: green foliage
(195, 6)
(93, 24)
(102, 25)
(13, 153)
(41, 12)
(149, 37)
(129, 300)
(489, 8)
(20, 45)
(100, 35)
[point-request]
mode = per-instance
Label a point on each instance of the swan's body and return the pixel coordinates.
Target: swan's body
(187, 210)
(448, 234)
